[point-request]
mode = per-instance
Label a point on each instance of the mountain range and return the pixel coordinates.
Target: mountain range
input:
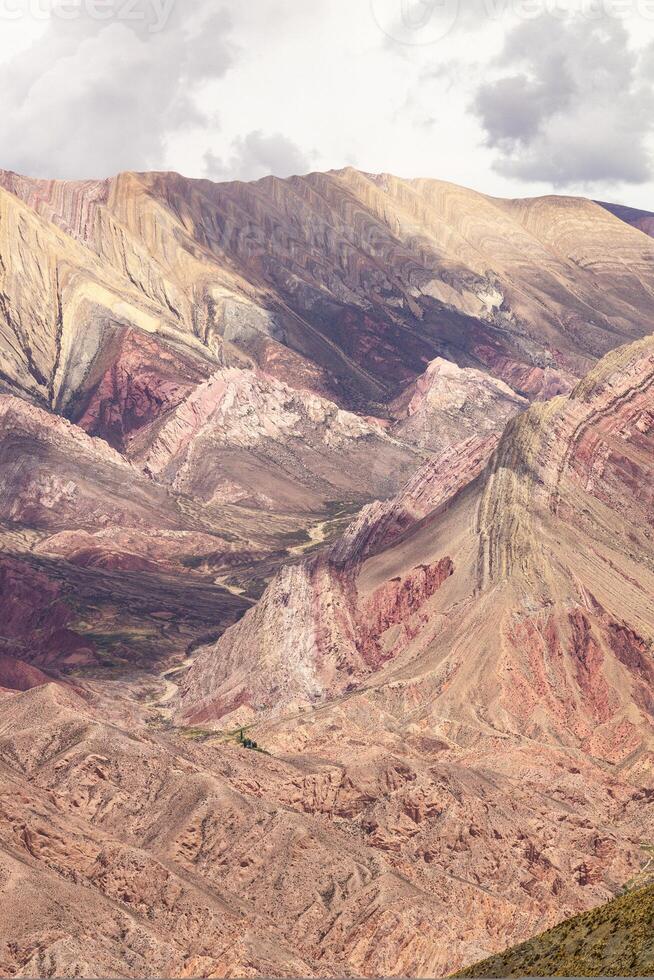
(326, 572)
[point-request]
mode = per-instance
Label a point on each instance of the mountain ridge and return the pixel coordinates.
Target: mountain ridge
(405, 227)
(352, 467)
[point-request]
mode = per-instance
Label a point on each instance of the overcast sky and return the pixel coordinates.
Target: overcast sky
(513, 97)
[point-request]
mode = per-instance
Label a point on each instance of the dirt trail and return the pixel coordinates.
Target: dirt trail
(171, 687)
(224, 584)
(325, 530)
(317, 535)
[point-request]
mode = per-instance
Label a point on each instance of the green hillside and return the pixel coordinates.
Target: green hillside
(616, 939)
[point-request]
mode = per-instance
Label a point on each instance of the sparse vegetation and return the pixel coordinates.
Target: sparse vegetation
(248, 743)
(196, 734)
(616, 939)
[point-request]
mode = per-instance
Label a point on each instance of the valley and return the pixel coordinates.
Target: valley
(356, 468)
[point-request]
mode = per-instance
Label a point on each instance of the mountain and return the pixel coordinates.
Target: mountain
(643, 220)
(614, 940)
(353, 467)
(551, 543)
(344, 283)
(487, 634)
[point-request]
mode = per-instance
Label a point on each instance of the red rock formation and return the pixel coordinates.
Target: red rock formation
(454, 699)
(524, 655)
(142, 380)
(16, 675)
(339, 640)
(396, 604)
(36, 621)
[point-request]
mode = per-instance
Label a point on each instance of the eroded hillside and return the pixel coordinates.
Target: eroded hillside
(310, 463)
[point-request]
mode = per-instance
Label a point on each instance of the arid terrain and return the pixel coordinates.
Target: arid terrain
(613, 940)
(326, 573)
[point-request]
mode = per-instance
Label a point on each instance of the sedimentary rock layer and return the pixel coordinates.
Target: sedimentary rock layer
(345, 283)
(315, 393)
(500, 625)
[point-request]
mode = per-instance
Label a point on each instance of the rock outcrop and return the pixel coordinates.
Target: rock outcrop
(447, 405)
(244, 437)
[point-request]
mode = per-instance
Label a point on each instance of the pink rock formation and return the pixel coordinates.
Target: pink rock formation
(244, 437)
(200, 385)
(505, 633)
(447, 405)
(432, 488)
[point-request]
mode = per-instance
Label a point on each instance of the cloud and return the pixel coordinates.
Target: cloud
(257, 155)
(92, 97)
(574, 104)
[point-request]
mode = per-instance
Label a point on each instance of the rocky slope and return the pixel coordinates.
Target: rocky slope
(242, 436)
(612, 941)
(98, 562)
(295, 391)
(130, 848)
(344, 283)
(107, 876)
(566, 492)
(643, 220)
(498, 626)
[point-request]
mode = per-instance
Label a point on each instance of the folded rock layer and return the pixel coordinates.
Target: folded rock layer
(325, 572)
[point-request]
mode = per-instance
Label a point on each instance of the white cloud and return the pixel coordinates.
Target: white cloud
(257, 155)
(234, 89)
(574, 104)
(92, 96)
